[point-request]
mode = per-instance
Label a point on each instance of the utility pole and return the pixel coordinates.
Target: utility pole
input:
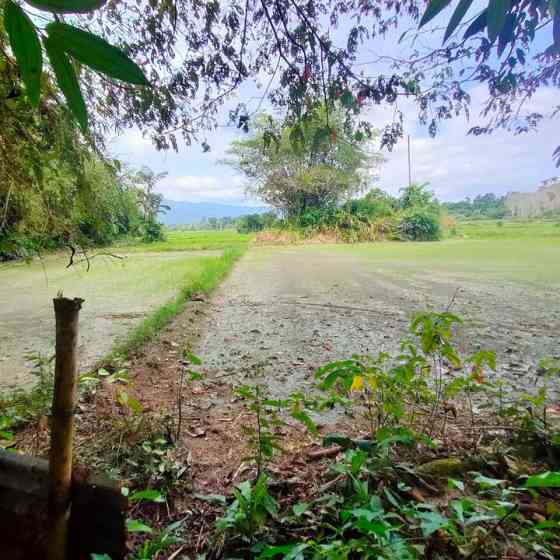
(409, 165)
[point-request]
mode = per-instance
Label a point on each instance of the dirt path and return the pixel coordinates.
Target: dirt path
(285, 311)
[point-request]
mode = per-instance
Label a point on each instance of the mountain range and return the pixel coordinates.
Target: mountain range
(182, 212)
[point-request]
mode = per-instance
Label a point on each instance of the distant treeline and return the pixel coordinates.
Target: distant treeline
(483, 206)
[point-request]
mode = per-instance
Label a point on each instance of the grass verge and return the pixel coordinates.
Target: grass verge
(205, 281)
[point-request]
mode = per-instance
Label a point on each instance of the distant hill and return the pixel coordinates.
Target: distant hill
(183, 213)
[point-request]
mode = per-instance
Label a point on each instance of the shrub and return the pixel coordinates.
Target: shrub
(419, 225)
(153, 231)
(250, 223)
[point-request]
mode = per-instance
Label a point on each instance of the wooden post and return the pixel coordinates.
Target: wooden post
(62, 424)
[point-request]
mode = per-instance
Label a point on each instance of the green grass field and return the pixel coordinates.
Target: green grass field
(203, 279)
(523, 260)
(183, 240)
(507, 229)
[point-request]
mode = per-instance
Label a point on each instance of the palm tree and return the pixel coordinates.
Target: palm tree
(151, 202)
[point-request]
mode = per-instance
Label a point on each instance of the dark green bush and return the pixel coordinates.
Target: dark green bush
(419, 225)
(153, 231)
(251, 223)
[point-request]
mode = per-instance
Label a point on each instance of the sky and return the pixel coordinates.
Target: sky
(456, 165)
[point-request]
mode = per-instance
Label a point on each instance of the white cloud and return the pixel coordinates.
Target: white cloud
(457, 165)
(205, 188)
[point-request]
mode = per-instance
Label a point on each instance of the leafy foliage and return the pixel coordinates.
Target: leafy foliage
(373, 506)
(301, 168)
(64, 42)
(420, 225)
(224, 45)
(481, 206)
(250, 510)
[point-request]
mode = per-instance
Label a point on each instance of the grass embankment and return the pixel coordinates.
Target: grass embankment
(204, 279)
(118, 292)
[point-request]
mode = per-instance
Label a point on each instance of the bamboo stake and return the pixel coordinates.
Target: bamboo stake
(62, 427)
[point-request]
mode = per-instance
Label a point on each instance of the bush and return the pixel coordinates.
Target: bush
(251, 223)
(419, 225)
(153, 231)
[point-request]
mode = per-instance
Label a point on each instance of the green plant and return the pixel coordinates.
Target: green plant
(392, 389)
(372, 506)
(159, 542)
(22, 406)
(262, 437)
(419, 225)
(153, 231)
(252, 507)
(150, 462)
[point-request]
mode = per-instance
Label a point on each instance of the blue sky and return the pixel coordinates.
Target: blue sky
(455, 165)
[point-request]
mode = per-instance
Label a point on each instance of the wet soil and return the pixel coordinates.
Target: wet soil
(285, 311)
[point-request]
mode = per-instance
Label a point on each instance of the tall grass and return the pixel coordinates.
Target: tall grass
(205, 281)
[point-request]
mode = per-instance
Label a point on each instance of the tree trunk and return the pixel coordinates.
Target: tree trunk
(62, 426)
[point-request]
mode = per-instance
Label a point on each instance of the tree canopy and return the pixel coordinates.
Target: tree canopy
(195, 54)
(297, 168)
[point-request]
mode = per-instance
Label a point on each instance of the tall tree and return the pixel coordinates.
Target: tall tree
(304, 166)
(151, 202)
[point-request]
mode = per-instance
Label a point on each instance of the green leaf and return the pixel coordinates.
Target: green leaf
(458, 484)
(478, 24)
(135, 526)
(431, 521)
(486, 482)
(287, 551)
(305, 419)
(548, 479)
(100, 557)
(67, 6)
(457, 17)
(215, 499)
(433, 9)
(149, 496)
(497, 11)
(338, 439)
(96, 53)
(67, 82)
(376, 527)
(506, 34)
(192, 358)
(26, 47)
(300, 508)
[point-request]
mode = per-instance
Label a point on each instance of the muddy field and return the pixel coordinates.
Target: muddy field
(287, 310)
(118, 293)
